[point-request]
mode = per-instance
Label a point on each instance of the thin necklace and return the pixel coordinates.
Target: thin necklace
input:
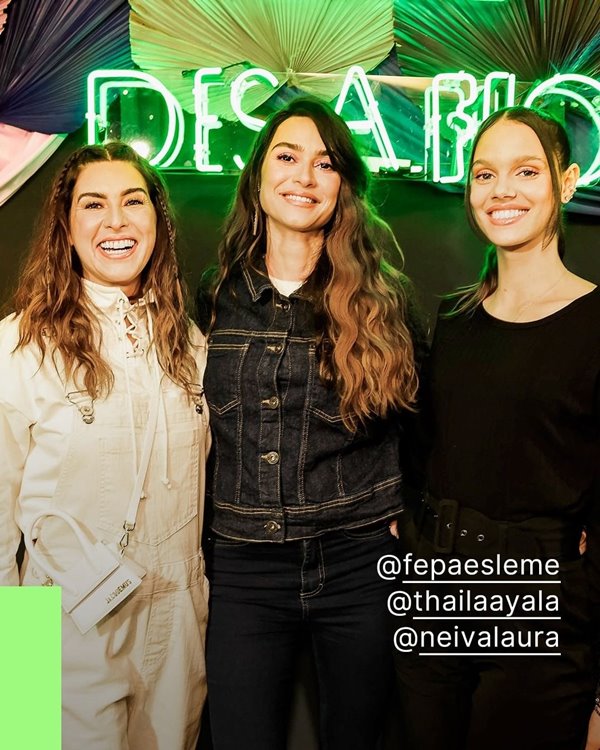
(539, 297)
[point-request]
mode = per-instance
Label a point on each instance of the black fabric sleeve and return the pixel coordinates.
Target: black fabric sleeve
(415, 433)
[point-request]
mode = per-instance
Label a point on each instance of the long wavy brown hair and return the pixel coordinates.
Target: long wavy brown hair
(55, 312)
(364, 344)
(557, 150)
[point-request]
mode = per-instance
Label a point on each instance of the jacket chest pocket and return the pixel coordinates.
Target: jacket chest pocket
(325, 441)
(340, 462)
(223, 376)
(324, 401)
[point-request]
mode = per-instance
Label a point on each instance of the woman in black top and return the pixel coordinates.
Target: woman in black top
(310, 366)
(515, 396)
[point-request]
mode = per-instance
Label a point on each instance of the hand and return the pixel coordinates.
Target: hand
(394, 531)
(593, 736)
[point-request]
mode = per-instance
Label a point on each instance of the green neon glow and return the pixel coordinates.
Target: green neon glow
(551, 86)
(498, 90)
(491, 95)
(472, 104)
(239, 87)
(464, 124)
(205, 122)
(131, 79)
(373, 123)
(142, 147)
(173, 124)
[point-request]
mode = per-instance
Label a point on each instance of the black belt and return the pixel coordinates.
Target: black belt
(455, 529)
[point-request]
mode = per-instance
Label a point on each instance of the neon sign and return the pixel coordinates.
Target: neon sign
(126, 79)
(356, 77)
(454, 106)
(553, 86)
(465, 118)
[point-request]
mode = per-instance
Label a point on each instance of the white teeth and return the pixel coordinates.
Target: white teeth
(117, 244)
(508, 213)
(299, 198)
(117, 247)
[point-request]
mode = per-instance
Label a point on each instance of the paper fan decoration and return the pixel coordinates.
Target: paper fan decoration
(532, 38)
(22, 153)
(308, 45)
(48, 48)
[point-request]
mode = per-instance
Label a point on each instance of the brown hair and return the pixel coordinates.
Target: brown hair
(364, 344)
(51, 299)
(557, 150)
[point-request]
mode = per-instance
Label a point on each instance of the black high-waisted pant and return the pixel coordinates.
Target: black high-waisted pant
(500, 702)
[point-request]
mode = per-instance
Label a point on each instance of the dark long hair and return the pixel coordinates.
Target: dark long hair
(364, 344)
(557, 150)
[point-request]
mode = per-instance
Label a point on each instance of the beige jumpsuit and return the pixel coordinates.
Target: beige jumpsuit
(137, 679)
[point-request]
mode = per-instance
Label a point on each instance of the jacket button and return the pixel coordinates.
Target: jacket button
(276, 348)
(272, 402)
(284, 305)
(272, 526)
(272, 457)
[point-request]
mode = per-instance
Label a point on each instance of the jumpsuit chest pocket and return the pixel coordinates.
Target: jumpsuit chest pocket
(172, 493)
(172, 482)
(172, 488)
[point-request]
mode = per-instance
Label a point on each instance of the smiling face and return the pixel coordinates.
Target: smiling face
(299, 187)
(112, 224)
(511, 192)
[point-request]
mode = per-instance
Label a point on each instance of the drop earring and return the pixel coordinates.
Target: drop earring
(256, 209)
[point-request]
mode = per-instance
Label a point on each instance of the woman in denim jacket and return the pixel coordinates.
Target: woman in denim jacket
(311, 365)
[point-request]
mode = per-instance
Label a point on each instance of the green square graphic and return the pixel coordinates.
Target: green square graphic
(30, 651)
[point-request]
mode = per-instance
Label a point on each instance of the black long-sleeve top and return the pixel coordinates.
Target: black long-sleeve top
(517, 411)
(516, 418)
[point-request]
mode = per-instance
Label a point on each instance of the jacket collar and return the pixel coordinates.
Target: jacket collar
(257, 279)
(258, 282)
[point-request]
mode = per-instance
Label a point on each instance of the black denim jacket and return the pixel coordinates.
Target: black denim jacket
(283, 466)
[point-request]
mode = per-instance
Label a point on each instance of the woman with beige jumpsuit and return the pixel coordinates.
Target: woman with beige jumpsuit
(97, 343)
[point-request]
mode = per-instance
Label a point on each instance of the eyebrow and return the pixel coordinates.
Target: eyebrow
(128, 191)
(297, 147)
(518, 160)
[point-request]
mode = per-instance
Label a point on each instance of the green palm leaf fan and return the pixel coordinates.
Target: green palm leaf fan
(534, 39)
